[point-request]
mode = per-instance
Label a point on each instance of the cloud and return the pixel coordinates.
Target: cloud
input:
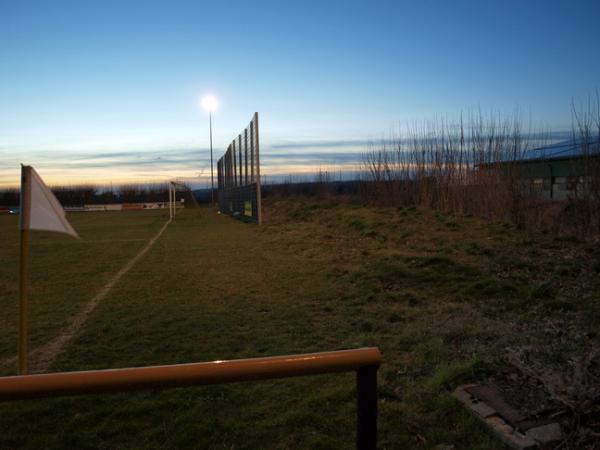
(189, 156)
(322, 144)
(119, 165)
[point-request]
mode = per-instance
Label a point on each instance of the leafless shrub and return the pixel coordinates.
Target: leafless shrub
(474, 166)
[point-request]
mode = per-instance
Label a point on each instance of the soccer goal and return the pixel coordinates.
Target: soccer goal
(238, 174)
(180, 196)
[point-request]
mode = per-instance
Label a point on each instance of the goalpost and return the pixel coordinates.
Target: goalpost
(172, 203)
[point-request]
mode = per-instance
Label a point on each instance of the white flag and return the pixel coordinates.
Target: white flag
(40, 210)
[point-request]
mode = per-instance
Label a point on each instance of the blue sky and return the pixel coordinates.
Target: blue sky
(109, 91)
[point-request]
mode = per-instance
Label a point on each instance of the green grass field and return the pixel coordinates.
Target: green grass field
(442, 296)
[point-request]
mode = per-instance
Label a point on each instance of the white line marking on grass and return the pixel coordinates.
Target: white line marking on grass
(111, 240)
(41, 358)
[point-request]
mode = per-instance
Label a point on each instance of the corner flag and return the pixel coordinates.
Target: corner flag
(40, 210)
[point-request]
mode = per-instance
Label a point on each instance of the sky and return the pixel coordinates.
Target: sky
(109, 91)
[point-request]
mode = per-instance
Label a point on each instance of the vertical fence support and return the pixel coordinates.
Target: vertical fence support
(246, 156)
(234, 164)
(252, 162)
(241, 155)
(366, 423)
(257, 155)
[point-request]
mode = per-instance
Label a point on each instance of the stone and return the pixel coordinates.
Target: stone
(503, 430)
(546, 434)
(480, 408)
(509, 436)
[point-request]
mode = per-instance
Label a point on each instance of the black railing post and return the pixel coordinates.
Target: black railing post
(366, 386)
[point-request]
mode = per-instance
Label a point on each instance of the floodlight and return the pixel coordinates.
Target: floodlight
(210, 103)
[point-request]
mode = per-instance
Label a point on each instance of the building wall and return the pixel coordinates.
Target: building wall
(554, 180)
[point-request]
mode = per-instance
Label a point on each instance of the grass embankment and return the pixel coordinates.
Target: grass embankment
(441, 296)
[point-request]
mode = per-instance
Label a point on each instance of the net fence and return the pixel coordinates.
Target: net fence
(238, 175)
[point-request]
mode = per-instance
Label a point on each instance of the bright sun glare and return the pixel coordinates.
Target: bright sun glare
(210, 103)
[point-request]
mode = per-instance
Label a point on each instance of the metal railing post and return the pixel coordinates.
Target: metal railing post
(366, 423)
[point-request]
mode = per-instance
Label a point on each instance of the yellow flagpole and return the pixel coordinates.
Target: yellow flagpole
(24, 258)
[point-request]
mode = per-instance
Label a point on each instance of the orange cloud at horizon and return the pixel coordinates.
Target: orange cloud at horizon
(58, 176)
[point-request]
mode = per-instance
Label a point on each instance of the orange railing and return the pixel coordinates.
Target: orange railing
(365, 361)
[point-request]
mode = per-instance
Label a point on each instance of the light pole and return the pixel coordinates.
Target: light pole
(212, 178)
(210, 103)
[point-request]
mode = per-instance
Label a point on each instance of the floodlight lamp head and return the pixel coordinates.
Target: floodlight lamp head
(210, 103)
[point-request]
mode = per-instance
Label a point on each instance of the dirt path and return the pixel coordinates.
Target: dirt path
(41, 358)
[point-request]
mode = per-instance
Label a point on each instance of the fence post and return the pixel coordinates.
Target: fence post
(258, 182)
(366, 386)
